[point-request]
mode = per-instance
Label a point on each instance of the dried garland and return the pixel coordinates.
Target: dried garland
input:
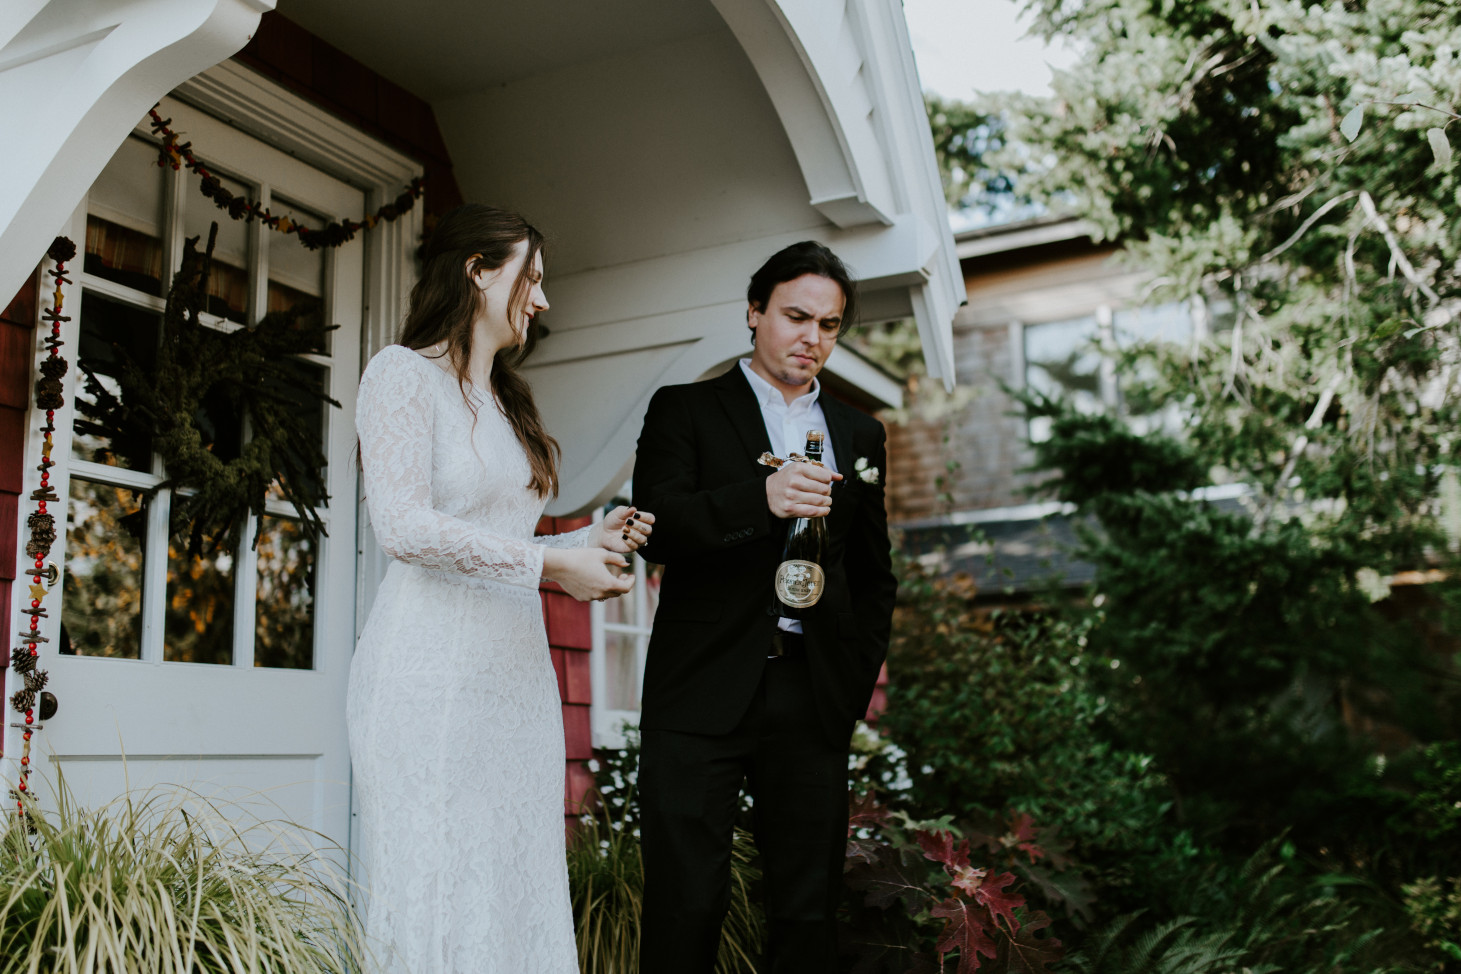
(24, 659)
(239, 208)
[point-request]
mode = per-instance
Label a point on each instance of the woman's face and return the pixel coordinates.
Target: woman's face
(498, 323)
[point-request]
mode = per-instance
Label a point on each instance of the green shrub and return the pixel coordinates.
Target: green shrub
(997, 711)
(163, 882)
(1434, 907)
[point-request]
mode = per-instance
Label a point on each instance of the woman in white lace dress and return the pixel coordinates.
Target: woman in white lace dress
(456, 733)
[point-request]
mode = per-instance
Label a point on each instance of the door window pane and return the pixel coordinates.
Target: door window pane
(228, 280)
(296, 273)
(199, 616)
(284, 612)
(102, 592)
(125, 217)
(111, 332)
(305, 381)
(621, 669)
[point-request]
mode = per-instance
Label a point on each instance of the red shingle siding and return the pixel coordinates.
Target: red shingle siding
(336, 82)
(570, 636)
(17, 324)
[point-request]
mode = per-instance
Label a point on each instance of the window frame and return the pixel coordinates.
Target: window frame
(608, 723)
(178, 192)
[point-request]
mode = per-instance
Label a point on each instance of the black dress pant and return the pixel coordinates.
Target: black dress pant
(689, 786)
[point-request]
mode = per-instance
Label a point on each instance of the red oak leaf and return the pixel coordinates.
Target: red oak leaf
(1028, 952)
(991, 896)
(968, 879)
(966, 929)
(1022, 836)
(865, 810)
(939, 846)
(886, 880)
(860, 852)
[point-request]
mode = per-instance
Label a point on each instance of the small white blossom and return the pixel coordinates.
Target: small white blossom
(865, 472)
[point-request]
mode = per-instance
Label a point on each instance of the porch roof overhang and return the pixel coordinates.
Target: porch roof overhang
(667, 146)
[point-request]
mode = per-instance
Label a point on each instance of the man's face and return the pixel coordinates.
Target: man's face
(797, 331)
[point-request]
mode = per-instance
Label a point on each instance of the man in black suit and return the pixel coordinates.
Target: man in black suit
(733, 690)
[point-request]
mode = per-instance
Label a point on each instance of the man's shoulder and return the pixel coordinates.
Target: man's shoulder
(690, 391)
(862, 423)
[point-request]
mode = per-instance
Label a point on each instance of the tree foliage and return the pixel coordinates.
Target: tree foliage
(1286, 168)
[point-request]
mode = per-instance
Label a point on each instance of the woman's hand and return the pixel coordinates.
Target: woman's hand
(587, 573)
(625, 530)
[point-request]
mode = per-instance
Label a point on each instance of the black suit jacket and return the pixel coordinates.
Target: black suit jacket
(696, 471)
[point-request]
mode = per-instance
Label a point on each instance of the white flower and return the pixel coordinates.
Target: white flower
(867, 474)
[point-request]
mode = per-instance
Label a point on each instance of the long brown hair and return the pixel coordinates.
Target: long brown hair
(444, 304)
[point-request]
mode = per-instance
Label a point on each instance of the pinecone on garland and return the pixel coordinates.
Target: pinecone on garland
(23, 700)
(62, 250)
(21, 661)
(48, 393)
(42, 533)
(36, 681)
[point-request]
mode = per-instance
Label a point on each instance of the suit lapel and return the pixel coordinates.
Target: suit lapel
(839, 428)
(744, 412)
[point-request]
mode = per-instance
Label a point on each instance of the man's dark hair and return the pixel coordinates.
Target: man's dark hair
(807, 257)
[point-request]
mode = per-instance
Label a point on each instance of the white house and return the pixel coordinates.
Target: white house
(667, 146)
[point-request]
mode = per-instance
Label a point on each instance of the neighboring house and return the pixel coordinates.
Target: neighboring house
(667, 146)
(1047, 306)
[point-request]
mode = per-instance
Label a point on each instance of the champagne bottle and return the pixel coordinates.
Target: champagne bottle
(799, 578)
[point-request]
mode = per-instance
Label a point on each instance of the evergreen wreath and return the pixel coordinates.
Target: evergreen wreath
(202, 375)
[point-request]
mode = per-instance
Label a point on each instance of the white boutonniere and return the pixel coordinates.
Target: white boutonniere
(867, 474)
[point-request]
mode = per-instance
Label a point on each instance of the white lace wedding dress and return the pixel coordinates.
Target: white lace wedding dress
(456, 732)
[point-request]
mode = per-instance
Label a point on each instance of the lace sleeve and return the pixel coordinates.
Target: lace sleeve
(394, 419)
(580, 538)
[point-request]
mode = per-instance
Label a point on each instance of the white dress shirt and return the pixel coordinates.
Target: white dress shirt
(787, 424)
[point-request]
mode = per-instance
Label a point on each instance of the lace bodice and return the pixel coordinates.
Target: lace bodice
(469, 511)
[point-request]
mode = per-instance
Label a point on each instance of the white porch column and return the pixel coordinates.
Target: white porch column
(75, 76)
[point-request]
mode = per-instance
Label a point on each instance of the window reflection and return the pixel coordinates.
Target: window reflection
(302, 389)
(111, 333)
(125, 218)
(296, 273)
(621, 669)
(284, 610)
(228, 278)
(102, 591)
(198, 624)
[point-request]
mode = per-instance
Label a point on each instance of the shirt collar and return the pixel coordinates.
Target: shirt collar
(769, 395)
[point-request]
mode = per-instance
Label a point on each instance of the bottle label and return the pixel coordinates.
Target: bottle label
(799, 583)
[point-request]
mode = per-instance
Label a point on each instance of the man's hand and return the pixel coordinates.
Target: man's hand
(800, 490)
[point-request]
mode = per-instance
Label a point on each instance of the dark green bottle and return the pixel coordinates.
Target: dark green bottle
(800, 578)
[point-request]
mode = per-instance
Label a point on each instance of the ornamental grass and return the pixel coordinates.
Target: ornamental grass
(606, 883)
(165, 883)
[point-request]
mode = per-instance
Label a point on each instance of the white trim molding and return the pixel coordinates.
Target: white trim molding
(841, 77)
(75, 77)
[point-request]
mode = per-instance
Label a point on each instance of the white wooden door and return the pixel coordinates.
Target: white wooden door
(224, 674)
